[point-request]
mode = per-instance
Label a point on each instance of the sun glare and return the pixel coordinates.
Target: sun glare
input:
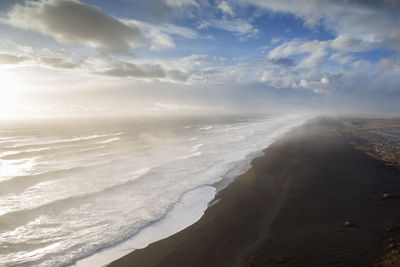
(9, 96)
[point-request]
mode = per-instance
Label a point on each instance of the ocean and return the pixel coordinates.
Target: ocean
(85, 192)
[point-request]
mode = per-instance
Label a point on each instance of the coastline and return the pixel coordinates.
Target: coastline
(289, 209)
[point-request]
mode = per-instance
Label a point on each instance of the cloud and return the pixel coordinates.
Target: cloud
(349, 44)
(278, 78)
(315, 52)
(321, 86)
(178, 31)
(178, 75)
(284, 79)
(189, 70)
(240, 27)
(286, 67)
(181, 3)
(11, 59)
(159, 40)
(58, 63)
(285, 62)
(168, 106)
(10, 47)
(388, 64)
(361, 64)
(125, 69)
(161, 36)
(360, 25)
(70, 21)
(226, 9)
(275, 40)
(342, 59)
(200, 60)
(146, 71)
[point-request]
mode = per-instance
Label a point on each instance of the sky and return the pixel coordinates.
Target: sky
(132, 57)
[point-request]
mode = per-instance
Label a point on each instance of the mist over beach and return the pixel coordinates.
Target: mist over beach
(199, 133)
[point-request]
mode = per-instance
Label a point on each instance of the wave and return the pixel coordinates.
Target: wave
(198, 153)
(60, 141)
(13, 219)
(196, 147)
(26, 153)
(110, 140)
(206, 128)
(19, 184)
(12, 167)
(5, 140)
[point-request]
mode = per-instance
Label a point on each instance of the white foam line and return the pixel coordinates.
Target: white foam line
(110, 140)
(10, 153)
(196, 147)
(206, 128)
(184, 213)
(67, 140)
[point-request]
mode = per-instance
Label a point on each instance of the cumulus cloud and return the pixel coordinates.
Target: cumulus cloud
(350, 44)
(70, 21)
(11, 59)
(159, 40)
(321, 86)
(315, 52)
(291, 79)
(361, 80)
(226, 9)
(278, 78)
(296, 47)
(58, 63)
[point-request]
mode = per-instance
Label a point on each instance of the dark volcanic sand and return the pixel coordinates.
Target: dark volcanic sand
(289, 209)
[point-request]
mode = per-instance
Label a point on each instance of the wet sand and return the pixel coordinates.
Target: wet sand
(290, 209)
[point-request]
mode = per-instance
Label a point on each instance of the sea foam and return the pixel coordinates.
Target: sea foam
(108, 190)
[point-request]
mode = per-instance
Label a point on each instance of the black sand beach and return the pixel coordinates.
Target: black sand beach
(291, 209)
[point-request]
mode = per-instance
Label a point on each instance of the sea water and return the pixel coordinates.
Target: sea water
(86, 192)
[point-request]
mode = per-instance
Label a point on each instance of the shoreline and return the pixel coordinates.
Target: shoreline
(161, 229)
(180, 216)
(289, 209)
